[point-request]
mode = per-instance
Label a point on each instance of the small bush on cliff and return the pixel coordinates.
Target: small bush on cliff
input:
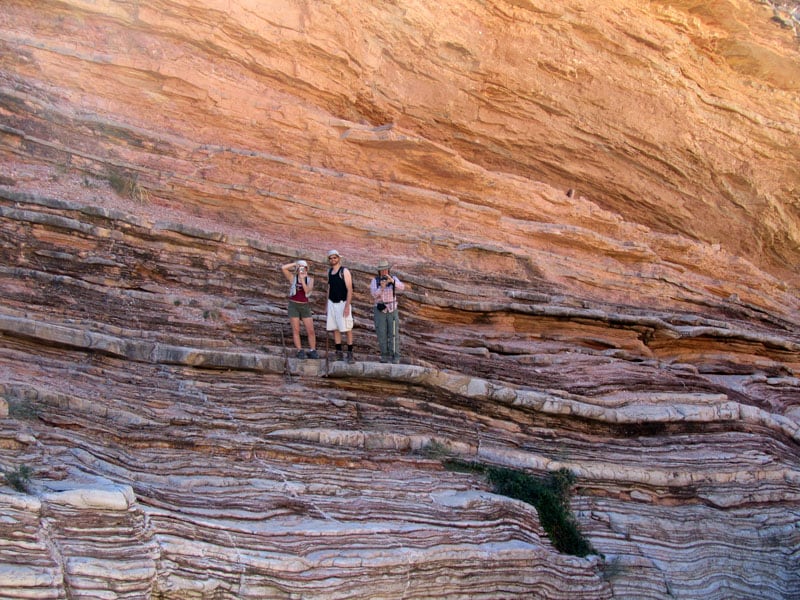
(23, 409)
(212, 314)
(436, 450)
(549, 494)
(127, 185)
(19, 478)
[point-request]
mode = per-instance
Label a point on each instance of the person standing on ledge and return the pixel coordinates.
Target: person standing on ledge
(384, 288)
(340, 311)
(302, 284)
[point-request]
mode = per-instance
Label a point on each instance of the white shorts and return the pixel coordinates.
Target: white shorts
(336, 318)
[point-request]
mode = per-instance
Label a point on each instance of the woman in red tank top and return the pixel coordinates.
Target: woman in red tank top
(302, 284)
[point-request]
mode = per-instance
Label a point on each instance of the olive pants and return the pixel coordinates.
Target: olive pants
(387, 328)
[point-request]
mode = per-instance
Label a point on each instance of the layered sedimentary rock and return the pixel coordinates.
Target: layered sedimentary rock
(160, 161)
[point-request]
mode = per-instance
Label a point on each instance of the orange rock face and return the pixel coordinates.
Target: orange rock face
(594, 207)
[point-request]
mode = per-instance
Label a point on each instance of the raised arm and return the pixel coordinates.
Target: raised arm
(288, 270)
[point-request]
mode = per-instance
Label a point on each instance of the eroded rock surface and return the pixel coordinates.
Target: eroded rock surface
(161, 160)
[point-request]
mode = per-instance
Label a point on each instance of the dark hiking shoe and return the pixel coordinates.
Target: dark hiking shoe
(301, 354)
(349, 358)
(313, 354)
(339, 355)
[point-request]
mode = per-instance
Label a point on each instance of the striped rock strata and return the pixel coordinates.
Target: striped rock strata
(161, 160)
(191, 457)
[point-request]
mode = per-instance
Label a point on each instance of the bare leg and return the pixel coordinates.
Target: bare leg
(295, 321)
(312, 336)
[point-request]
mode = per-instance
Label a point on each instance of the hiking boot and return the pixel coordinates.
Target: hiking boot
(339, 355)
(313, 354)
(396, 360)
(300, 354)
(384, 359)
(349, 358)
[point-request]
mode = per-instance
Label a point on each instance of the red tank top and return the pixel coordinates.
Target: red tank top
(300, 293)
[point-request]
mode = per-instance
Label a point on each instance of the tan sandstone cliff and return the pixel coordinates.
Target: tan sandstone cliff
(159, 159)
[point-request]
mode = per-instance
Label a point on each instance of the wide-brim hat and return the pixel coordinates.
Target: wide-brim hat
(333, 253)
(384, 264)
(302, 263)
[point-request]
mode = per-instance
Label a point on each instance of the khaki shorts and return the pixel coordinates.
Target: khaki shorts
(299, 310)
(336, 319)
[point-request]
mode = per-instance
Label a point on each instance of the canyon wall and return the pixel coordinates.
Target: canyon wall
(594, 207)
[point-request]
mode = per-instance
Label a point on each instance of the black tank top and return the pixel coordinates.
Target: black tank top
(337, 287)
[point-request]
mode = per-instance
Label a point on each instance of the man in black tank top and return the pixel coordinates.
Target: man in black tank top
(340, 313)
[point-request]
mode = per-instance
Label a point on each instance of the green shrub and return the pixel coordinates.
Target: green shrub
(19, 478)
(435, 449)
(549, 494)
(22, 409)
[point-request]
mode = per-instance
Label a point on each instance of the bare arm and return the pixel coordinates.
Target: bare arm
(288, 270)
(348, 282)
